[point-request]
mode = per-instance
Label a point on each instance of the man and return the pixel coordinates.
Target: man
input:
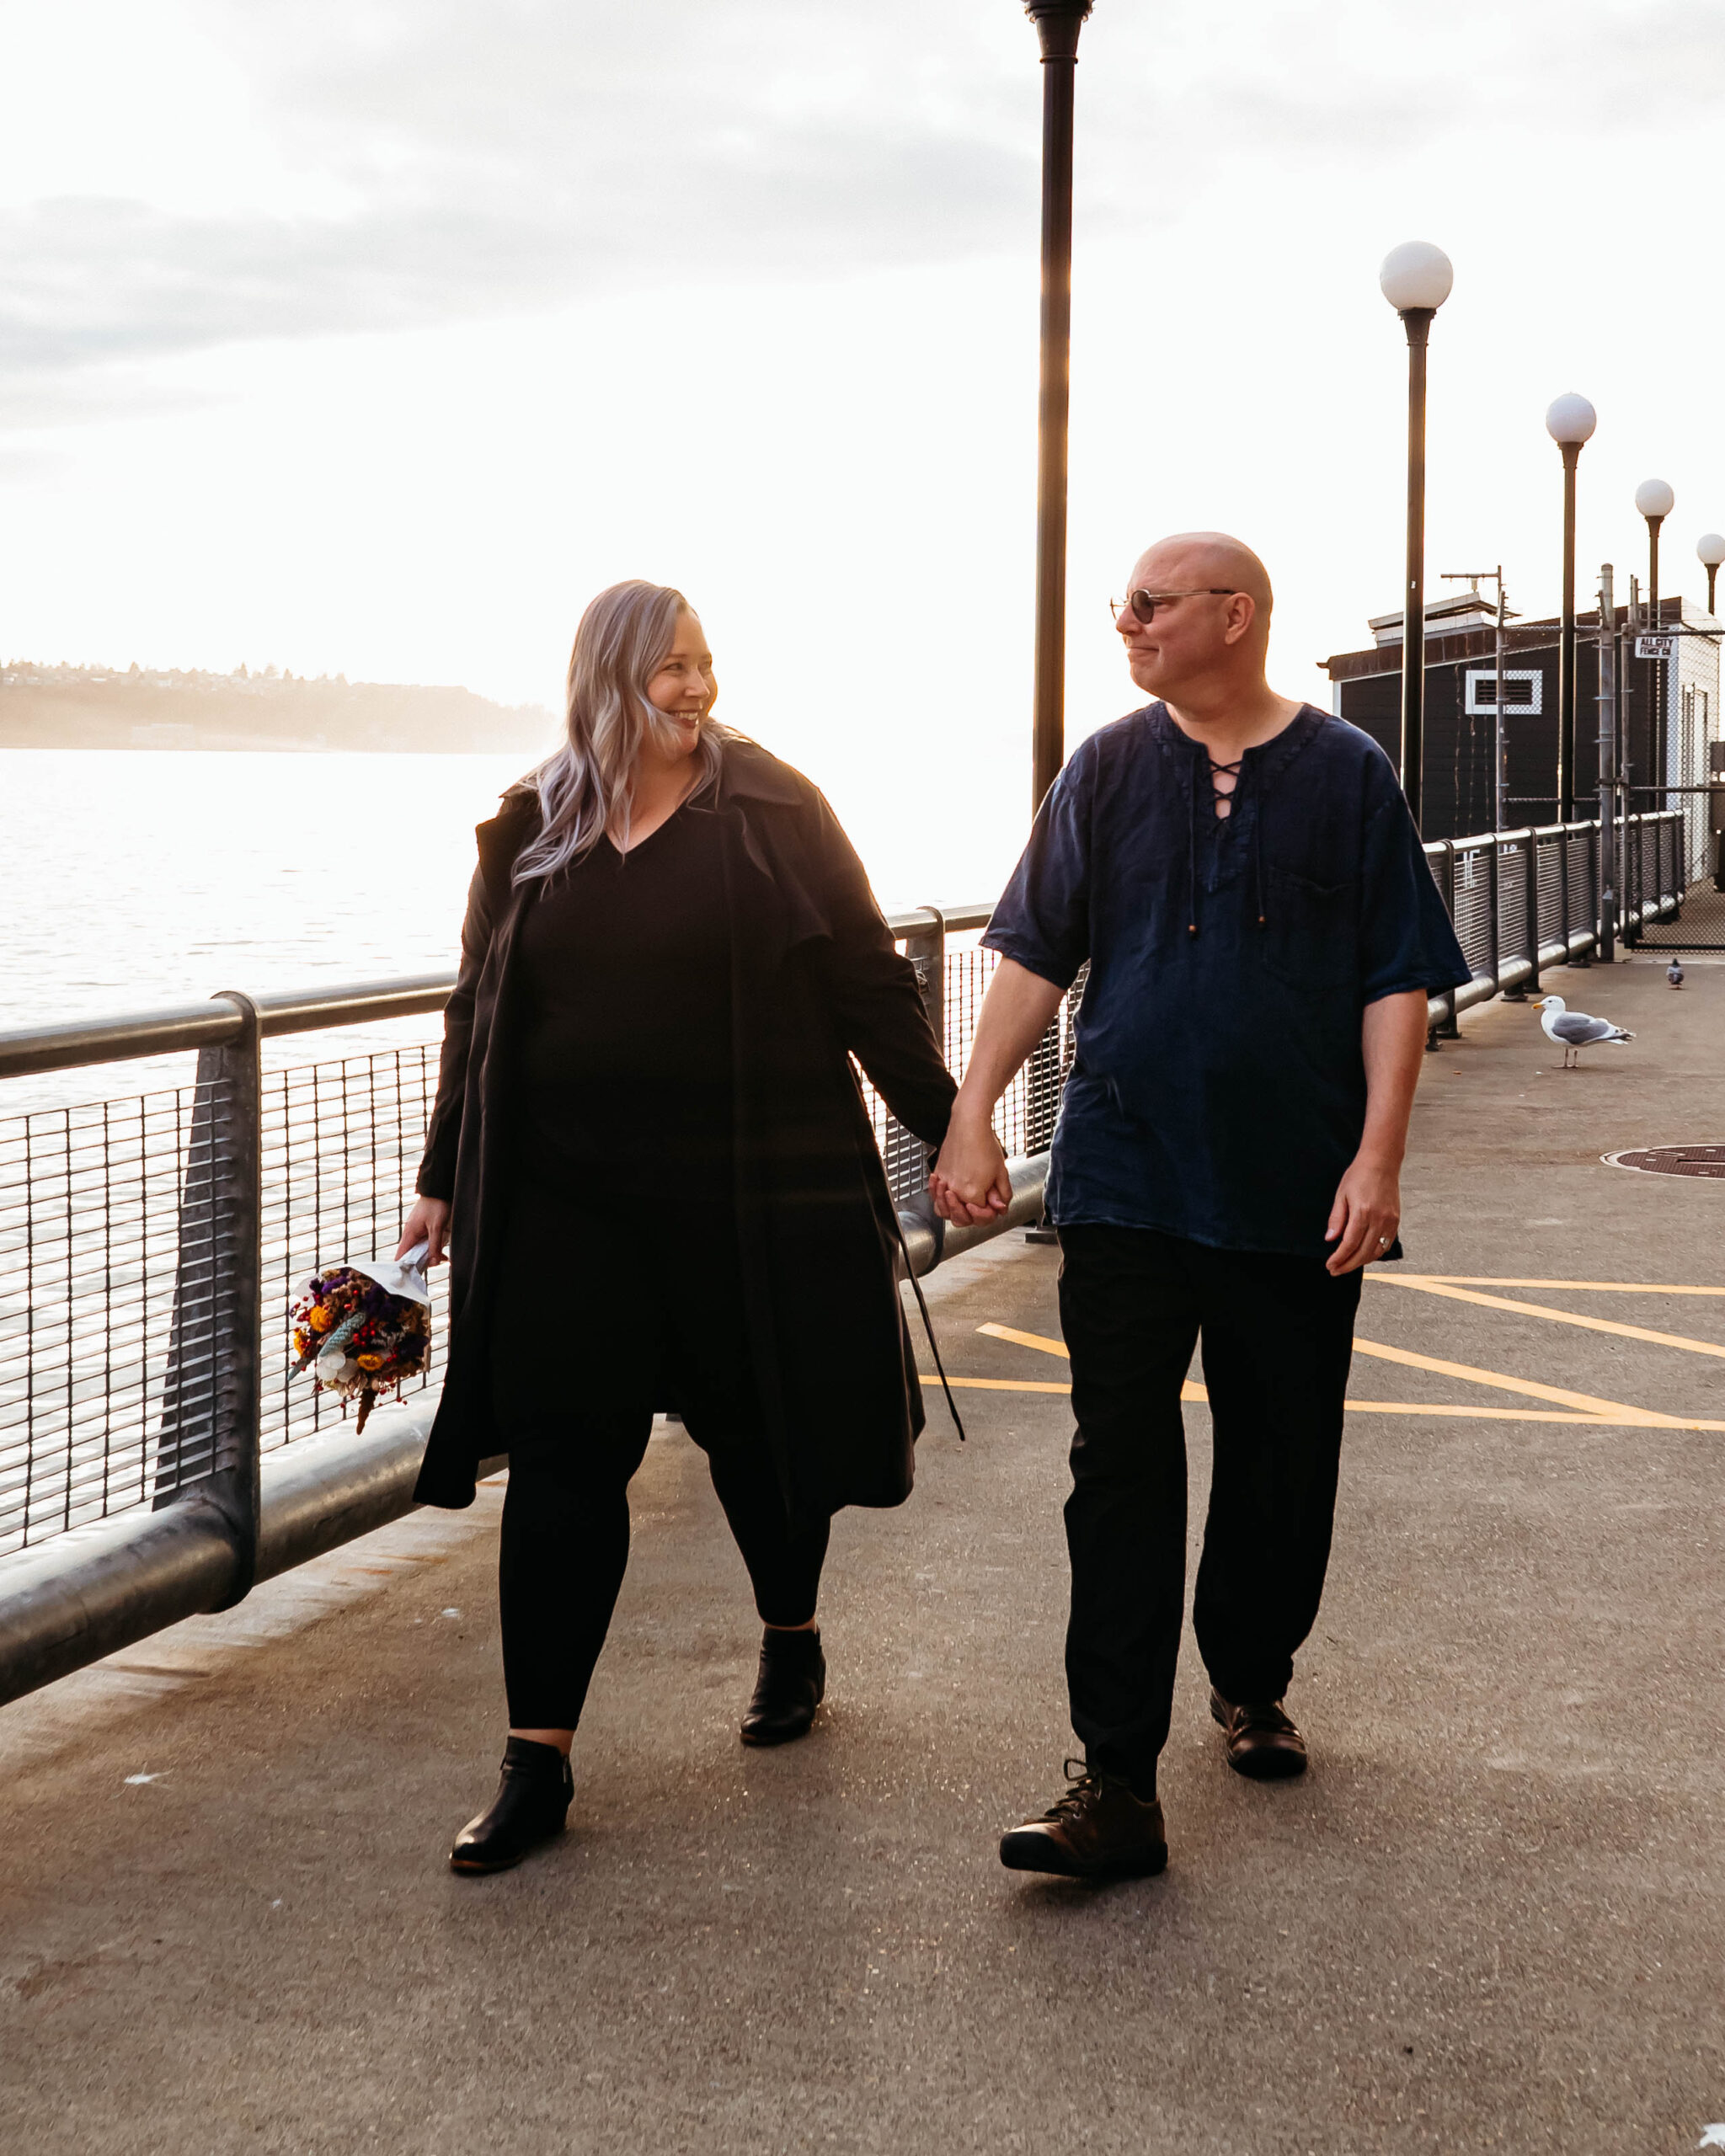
(1241, 875)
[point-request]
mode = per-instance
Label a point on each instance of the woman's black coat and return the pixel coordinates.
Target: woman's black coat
(815, 979)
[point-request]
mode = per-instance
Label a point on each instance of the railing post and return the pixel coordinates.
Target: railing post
(1532, 983)
(212, 1397)
(1570, 957)
(1492, 897)
(926, 950)
(1448, 1027)
(1519, 993)
(1590, 851)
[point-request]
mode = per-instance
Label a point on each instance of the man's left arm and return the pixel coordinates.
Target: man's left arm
(1368, 1208)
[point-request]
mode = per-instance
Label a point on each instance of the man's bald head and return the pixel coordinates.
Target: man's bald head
(1207, 642)
(1197, 561)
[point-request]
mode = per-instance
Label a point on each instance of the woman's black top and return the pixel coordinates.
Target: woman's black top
(626, 1056)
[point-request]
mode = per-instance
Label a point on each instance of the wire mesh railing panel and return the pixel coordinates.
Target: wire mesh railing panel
(1512, 903)
(1550, 885)
(1583, 888)
(107, 1384)
(1025, 1117)
(1472, 907)
(341, 1145)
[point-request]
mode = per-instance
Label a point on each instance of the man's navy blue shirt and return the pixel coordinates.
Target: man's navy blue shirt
(1218, 1088)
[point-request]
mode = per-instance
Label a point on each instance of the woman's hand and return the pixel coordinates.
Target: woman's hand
(428, 1223)
(970, 1183)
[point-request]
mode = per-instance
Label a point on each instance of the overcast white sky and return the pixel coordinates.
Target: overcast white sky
(358, 336)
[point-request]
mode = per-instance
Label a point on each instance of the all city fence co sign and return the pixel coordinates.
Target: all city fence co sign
(1656, 647)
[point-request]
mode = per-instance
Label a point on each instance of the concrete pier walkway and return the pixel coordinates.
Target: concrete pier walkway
(1493, 1916)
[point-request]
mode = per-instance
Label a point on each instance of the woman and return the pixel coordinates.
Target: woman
(657, 1183)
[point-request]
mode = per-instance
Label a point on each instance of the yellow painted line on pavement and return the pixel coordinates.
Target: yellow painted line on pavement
(1592, 1409)
(1425, 1284)
(1027, 1340)
(1196, 1392)
(1586, 1287)
(998, 1385)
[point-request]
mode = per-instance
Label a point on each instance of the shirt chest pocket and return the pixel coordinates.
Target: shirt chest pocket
(1311, 929)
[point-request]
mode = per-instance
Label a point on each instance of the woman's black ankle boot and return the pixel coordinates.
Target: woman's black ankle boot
(531, 1804)
(788, 1688)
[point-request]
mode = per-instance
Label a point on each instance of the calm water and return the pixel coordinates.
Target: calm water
(131, 880)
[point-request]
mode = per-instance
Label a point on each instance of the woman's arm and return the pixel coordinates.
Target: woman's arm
(870, 991)
(429, 1220)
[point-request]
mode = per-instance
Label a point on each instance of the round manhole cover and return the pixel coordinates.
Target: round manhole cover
(1671, 1160)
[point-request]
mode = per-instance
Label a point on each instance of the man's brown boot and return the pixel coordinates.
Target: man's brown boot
(1263, 1742)
(1098, 1830)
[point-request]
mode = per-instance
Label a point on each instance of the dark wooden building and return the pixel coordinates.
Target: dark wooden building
(1460, 711)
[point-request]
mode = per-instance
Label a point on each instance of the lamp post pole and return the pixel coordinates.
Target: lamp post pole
(1566, 646)
(1058, 23)
(1569, 421)
(1415, 277)
(1607, 921)
(1655, 500)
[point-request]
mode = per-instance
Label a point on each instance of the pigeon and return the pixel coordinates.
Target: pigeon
(1674, 973)
(1573, 1030)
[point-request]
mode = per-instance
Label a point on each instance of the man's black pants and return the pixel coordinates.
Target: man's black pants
(1278, 1334)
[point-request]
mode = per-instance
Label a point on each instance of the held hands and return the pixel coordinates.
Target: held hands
(428, 1223)
(1365, 1216)
(970, 1184)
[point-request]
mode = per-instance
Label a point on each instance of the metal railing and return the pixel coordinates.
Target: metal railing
(156, 1456)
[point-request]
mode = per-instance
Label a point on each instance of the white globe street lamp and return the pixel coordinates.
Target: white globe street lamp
(1709, 553)
(1415, 277)
(1570, 420)
(1655, 500)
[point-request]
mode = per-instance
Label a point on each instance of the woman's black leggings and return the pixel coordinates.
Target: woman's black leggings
(594, 1327)
(566, 1543)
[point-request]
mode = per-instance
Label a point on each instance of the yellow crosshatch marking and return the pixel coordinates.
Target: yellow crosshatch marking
(1428, 1285)
(1583, 1406)
(1575, 1286)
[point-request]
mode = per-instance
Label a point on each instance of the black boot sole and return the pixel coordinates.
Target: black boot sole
(1023, 1852)
(1268, 1763)
(765, 1737)
(476, 1867)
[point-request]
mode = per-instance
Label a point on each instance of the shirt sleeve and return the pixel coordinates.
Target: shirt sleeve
(1407, 940)
(1043, 920)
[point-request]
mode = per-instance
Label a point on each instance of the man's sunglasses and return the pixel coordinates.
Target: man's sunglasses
(1144, 603)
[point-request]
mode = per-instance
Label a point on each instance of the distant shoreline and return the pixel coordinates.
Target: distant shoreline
(250, 749)
(84, 707)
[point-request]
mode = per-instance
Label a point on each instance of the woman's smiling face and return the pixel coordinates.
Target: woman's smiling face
(684, 688)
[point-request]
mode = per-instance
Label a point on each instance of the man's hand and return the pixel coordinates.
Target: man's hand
(970, 1183)
(428, 1223)
(1365, 1216)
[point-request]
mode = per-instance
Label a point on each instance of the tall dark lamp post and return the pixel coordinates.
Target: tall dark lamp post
(1415, 277)
(1710, 552)
(1655, 500)
(1570, 421)
(1058, 23)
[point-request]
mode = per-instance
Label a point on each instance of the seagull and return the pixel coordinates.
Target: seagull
(1674, 973)
(1573, 1030)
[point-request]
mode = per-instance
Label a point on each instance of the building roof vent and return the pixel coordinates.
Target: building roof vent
(1450, 616)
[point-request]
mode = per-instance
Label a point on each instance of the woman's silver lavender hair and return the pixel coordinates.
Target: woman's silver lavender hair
(584, 787)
